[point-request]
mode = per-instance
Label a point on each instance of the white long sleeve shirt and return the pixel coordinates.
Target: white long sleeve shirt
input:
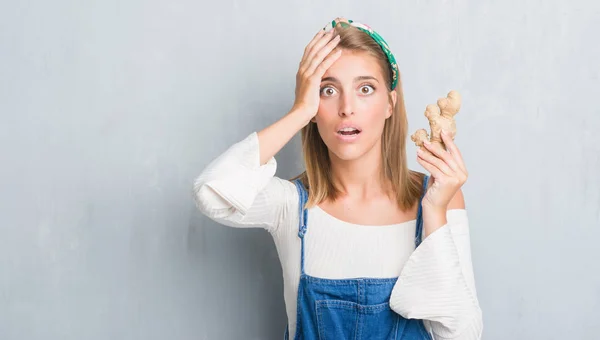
(435, 283)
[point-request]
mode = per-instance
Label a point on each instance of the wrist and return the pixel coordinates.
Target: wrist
(305, 114)
(431, 209)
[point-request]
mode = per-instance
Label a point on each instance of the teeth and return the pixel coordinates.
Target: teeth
(348, 129)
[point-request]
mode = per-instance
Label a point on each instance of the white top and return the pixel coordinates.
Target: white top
(435, 282)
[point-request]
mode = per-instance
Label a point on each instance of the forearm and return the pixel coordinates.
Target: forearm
(274, 137)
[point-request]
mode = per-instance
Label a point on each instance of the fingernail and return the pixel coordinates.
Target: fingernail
(444, 133)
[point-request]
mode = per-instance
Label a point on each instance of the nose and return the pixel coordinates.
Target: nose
(346, 104)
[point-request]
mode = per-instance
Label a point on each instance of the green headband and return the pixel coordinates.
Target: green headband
(384, 46)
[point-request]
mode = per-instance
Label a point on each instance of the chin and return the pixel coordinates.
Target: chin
(346, 152)
(346, 155)
(351, 151)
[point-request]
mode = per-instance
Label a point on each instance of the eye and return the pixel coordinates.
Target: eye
(327, 91)
(362, 89)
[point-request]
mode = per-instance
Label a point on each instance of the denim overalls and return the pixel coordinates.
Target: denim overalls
(354, 309)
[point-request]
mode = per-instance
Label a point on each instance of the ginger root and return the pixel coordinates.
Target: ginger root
(441, 117)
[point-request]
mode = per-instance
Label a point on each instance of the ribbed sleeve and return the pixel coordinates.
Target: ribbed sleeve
(437, 284)
(235, 190)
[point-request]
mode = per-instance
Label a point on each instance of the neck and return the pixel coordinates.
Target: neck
(360, 178)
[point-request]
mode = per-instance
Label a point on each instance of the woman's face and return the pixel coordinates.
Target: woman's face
(353, 92)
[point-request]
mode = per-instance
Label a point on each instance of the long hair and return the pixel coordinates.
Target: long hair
(317, 179)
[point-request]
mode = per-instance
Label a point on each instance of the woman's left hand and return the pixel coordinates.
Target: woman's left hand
(447, 170)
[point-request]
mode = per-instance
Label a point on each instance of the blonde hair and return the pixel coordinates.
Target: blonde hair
(406, 184)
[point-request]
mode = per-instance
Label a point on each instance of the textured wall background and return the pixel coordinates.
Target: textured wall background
(110, 109)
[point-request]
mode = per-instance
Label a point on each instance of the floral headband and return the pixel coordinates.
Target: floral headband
(384, 46)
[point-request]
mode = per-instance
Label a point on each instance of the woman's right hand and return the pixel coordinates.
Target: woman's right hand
(318, 57)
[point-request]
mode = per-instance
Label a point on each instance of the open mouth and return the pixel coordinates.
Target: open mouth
(349, 132)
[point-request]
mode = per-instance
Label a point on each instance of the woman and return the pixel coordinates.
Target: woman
(369, 249)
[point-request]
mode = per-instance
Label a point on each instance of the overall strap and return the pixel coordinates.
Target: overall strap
(419, 230)
(302, 218)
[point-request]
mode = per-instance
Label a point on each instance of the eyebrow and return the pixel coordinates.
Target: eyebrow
(335, 80)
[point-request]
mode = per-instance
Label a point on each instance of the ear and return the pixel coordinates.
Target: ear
(391, 103)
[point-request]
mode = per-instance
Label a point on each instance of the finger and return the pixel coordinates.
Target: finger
(454, 151)
(318, 59)
(433, 170)
(310, 45)
(317, 46)
(320, 50)
(445, 155)
(436, 149)
(433, 159)
(331, 58)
